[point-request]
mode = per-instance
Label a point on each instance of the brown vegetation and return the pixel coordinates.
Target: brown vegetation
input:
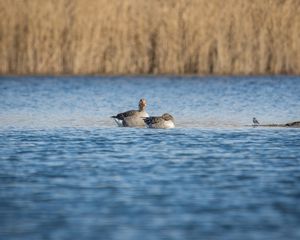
(149, 36)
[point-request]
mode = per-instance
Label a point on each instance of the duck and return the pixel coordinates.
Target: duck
(164, 121)
(133, 118)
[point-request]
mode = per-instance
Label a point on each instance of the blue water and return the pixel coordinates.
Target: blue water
(67, 172)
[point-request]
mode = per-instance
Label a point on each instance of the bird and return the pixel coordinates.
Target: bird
(164, 121)
(255, 122)
(133, 118)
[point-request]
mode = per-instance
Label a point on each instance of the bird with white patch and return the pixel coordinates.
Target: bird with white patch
(132, 118)
(164, 121)
(255, 122)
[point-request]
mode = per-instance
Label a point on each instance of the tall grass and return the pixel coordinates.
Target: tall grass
(143, 36)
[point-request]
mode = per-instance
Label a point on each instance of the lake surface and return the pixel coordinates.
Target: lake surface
(67, 171)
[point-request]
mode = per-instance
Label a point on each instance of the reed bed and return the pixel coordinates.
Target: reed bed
(150, 37)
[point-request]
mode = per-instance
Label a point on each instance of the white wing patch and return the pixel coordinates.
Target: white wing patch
(119, 122)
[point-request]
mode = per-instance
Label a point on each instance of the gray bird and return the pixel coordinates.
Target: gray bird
(164, 121)
(132, 118)
(255, 122)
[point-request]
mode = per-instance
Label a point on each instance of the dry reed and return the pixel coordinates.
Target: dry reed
(150, 37)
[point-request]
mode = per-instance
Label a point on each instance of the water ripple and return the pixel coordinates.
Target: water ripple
(87, 179)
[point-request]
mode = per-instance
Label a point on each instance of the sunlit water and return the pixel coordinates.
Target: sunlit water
(67, 172)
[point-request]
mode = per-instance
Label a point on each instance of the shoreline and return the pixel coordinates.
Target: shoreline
(153, 75)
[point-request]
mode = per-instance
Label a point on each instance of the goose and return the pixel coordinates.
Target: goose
(164, 121)
(132, 118)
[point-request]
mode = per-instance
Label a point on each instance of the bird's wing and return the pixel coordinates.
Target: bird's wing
(152, 120)
(123, 115)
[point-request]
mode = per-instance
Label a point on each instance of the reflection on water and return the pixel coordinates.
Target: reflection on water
(66, 171)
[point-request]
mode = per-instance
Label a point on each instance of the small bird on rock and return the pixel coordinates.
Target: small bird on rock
(255, 122)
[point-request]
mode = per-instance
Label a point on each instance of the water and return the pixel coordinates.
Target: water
(67, 172)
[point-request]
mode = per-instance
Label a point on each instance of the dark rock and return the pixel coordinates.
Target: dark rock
(293, 124)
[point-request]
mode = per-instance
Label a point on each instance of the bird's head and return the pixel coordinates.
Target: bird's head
(167, 117)
(142, 104)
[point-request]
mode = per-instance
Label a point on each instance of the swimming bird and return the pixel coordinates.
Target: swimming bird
(255, 122)
(164, 121)
(132, 118)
